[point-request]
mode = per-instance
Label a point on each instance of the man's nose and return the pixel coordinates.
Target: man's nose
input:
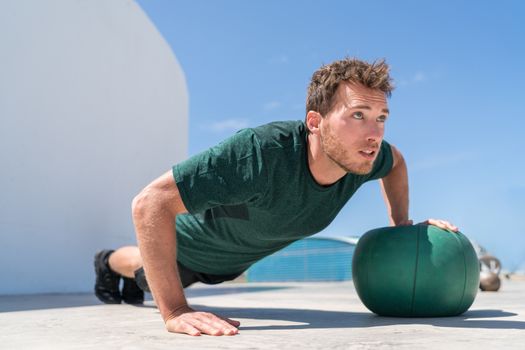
(374, 131)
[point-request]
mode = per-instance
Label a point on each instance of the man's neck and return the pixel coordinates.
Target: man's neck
(324, 171)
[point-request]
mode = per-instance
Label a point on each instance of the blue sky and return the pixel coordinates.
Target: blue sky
(457, 114)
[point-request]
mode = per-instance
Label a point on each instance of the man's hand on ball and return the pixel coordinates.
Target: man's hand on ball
(445, 225)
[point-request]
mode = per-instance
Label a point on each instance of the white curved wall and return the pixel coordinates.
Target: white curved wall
(93, 106)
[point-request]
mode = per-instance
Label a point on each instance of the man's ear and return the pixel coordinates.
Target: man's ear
(313, 121)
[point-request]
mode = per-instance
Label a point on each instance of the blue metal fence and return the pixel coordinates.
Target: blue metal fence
(310, 259)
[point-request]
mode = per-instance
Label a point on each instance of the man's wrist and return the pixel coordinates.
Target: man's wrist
(402, 222)
(177, 312)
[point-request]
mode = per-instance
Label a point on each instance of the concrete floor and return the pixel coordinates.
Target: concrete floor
(272, 315)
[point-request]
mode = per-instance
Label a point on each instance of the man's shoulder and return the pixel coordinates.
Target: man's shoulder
(281, 134)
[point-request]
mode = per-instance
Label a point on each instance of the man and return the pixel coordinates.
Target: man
(215, 214)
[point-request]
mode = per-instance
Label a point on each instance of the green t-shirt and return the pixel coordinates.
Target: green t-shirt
(253, 194)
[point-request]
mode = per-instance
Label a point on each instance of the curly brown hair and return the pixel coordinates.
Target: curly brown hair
(326, 79)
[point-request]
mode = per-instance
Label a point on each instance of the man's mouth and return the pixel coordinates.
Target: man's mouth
(368, 153)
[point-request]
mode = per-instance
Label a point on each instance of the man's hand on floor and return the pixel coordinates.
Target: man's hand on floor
(188, 321)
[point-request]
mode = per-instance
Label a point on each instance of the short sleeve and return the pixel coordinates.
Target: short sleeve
(230, 173)
(383, 163)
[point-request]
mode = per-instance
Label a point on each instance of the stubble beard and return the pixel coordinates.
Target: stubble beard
(334, 150)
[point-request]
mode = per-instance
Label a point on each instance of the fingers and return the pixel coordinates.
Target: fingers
(188, 329)
(216, 325)
(445, 225)
(232, 322)
(197, 323)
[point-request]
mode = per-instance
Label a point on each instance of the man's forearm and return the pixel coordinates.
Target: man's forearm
(155, 211)
(155, 229)
(395, 191)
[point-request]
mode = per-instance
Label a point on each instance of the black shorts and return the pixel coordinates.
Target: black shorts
(187, 277)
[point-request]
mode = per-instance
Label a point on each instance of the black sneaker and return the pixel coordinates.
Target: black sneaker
(131, 293)
(140, 280)
(107, 283)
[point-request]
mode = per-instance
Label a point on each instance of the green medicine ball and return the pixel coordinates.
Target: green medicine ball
(415, 271)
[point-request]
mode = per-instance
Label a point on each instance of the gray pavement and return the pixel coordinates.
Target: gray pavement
(272, 315)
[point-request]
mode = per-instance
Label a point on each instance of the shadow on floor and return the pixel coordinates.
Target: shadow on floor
(228, 289)
(11, 303)
(337, 319)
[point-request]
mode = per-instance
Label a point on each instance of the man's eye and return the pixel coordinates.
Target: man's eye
(358, 115)
(381, 118)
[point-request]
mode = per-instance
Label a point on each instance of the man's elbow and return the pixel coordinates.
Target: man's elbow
(140, 204)
(160, 199)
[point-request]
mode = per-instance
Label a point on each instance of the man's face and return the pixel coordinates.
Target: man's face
(352, 131)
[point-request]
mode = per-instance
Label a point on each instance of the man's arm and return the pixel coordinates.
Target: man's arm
(154, 213)
(395, 192)
(394, 187)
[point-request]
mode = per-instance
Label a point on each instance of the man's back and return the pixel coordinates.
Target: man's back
(253, 194)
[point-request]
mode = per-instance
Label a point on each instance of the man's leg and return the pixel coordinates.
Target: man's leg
(125, 261)
(187, 277)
